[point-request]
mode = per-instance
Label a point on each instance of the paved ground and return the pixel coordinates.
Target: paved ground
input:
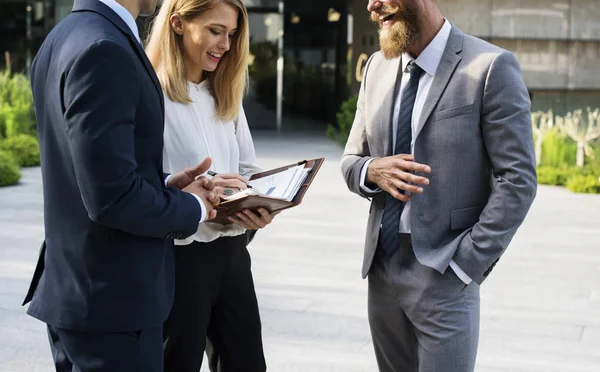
(540, 307)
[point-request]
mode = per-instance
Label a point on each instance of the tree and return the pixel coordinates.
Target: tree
(541, 121)
(583, 130)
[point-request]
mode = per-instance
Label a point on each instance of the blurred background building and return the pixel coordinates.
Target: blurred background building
(326, 44)
(557, 43)
(24, 25)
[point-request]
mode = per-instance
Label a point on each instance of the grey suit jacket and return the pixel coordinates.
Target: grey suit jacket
(476, 137)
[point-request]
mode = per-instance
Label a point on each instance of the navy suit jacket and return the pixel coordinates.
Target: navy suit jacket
(107, 260)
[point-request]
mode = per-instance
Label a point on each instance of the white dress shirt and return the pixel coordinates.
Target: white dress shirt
(130, 21)
(428, 60)
(192, 133)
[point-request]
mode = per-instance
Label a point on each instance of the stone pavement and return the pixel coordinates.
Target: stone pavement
(540, 307)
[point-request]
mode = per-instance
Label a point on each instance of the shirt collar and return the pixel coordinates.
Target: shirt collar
(431, 56)
(125, 15)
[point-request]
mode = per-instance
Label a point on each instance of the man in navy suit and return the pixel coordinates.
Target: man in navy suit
(104, 281)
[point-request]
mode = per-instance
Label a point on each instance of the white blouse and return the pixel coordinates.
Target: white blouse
(192, 133)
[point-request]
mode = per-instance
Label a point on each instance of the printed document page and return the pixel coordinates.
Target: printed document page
(283, 185)
(278, 185)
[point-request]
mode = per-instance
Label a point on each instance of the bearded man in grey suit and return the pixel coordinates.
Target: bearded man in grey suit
(442, 145)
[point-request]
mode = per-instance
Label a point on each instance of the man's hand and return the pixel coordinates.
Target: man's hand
(185, 177)
(231, 181)
(394, 173)
(203, 188)
(253, 221)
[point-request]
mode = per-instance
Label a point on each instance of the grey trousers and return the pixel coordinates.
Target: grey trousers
(421, 320)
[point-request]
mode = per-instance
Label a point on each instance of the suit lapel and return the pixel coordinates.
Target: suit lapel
(144, 57)
(445, 70)
(102, 9)
(390, 83)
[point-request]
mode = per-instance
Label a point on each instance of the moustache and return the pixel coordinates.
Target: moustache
(383, 11)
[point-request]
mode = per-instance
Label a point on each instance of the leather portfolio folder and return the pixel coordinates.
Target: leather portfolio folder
(231, 207)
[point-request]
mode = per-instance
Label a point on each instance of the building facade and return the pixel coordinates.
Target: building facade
(23, 26)
(314, 50)
(557, 43)
(327, 43)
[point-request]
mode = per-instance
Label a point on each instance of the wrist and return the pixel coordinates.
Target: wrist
(203, 211)
(371, 177)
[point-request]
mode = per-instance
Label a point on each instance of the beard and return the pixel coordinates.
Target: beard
(405, 30)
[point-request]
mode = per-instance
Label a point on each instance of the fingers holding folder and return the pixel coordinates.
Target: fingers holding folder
(253, 220)
(271, 191)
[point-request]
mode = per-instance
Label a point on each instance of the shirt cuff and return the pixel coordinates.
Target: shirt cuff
(363, 178)
(167, 180)
(461, 274)
(202, 207)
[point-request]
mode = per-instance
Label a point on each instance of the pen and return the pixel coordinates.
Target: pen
(212, 174)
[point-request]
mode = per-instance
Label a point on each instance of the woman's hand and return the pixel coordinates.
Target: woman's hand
(227, 184)
(253, 220)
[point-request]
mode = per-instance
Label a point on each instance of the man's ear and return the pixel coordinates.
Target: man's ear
(176, 23)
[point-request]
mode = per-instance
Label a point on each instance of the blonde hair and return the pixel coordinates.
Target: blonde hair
(227, 83)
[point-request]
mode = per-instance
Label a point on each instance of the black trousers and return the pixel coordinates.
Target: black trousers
(76, 351)
(214, 299)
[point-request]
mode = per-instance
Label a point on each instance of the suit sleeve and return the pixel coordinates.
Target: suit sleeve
(507, 135)
(357, 152)
(101, 94)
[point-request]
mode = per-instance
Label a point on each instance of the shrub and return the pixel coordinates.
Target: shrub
(24, 148)
(561, 176)
(9, 169)
(558, 150)
(584, 184)
(595, 162)
(554, 176)
(17, 114)
(345, 118)
(3, 102)
(2, 122)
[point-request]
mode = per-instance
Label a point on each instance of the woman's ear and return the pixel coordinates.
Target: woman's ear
(176, 23)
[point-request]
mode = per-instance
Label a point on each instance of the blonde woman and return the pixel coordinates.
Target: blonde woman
(199, 49)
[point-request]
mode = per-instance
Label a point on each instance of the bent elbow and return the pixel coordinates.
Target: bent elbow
(103, 216)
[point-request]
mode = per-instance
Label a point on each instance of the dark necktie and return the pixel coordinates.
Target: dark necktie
(393, 207)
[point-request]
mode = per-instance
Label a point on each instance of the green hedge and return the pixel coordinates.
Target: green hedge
(17, 115)
(24, 148)
(560, 176)
(554, 176)
(558, 150)
(580, 180)
(558, 164)
(584, 184)
(9, 169)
